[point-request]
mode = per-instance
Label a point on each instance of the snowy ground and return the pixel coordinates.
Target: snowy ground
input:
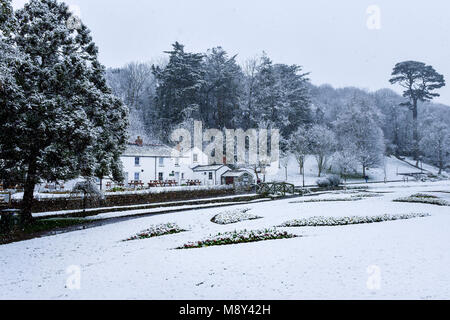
(391, 168)
(412, 256)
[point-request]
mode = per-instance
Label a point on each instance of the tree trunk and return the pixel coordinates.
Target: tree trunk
(364, 172)
(415, 133)
(28, 196)
(320, 165)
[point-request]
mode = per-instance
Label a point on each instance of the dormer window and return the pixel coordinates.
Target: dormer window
(195, 157)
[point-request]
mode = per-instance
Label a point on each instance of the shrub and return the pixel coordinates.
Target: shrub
(157, 231)
(235, 237)
(329, 181)
(342, 221)
(233, 216)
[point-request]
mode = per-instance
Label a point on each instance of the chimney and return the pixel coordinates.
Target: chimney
(139, 141)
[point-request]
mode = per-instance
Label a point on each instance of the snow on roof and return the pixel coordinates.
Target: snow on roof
(235, 174)
(214, 167)
(134, 150)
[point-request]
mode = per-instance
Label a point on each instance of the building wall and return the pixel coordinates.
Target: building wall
(150, 168)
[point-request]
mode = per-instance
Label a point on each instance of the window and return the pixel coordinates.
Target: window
(160, 176)
(161, 162)
(195, 157)
(177, 162)
(137, 161)
(210, 176)
(182, 175)
(136, 176)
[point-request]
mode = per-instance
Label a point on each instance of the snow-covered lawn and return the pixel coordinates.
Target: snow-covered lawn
(410, 257)
(391, 169)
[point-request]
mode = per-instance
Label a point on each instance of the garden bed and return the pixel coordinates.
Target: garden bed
(342, 221)
(425, 199)
(233, 216)
(235, 237)
(157, 231)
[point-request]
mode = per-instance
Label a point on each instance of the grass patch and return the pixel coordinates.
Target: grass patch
(40, 226)
(157, 231)
(233, 216)
(235, 237)
(343, 221)
(43, 225)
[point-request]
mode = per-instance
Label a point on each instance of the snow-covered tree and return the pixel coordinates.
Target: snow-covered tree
(221, 90)
(358, 127)
(280, 97)
(299, 146)
(65, 119)
(178, 92)
(420, 82)
(435, 142)
(322, 144)
(345, 160)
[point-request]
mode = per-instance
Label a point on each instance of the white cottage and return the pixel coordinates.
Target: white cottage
(145, 162)
(210, 174)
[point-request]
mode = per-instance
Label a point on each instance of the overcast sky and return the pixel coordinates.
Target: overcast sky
(331, 39)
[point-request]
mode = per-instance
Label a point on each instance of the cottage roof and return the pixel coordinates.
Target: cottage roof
(134, 150)
(235, 174)
(214, 167)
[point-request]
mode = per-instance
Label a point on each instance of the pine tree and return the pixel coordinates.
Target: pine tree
(55, 130)
(419, 81)
(221, 91)
(179, 83)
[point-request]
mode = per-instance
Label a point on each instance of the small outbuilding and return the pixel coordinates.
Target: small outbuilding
(211, 174)
(237, 177)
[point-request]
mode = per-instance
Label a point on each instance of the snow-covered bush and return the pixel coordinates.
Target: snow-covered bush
(424, 195)
(328, 200)
(239, 237)
(425, 199)
(329, 181)
(88, 189)
(323, 182)
(233, 216)
(157, 231)
(335, 180)
(342, 221)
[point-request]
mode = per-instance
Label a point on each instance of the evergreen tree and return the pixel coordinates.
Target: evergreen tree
(178, 92)
(55, 128)
(221, 91)
(419, 81)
